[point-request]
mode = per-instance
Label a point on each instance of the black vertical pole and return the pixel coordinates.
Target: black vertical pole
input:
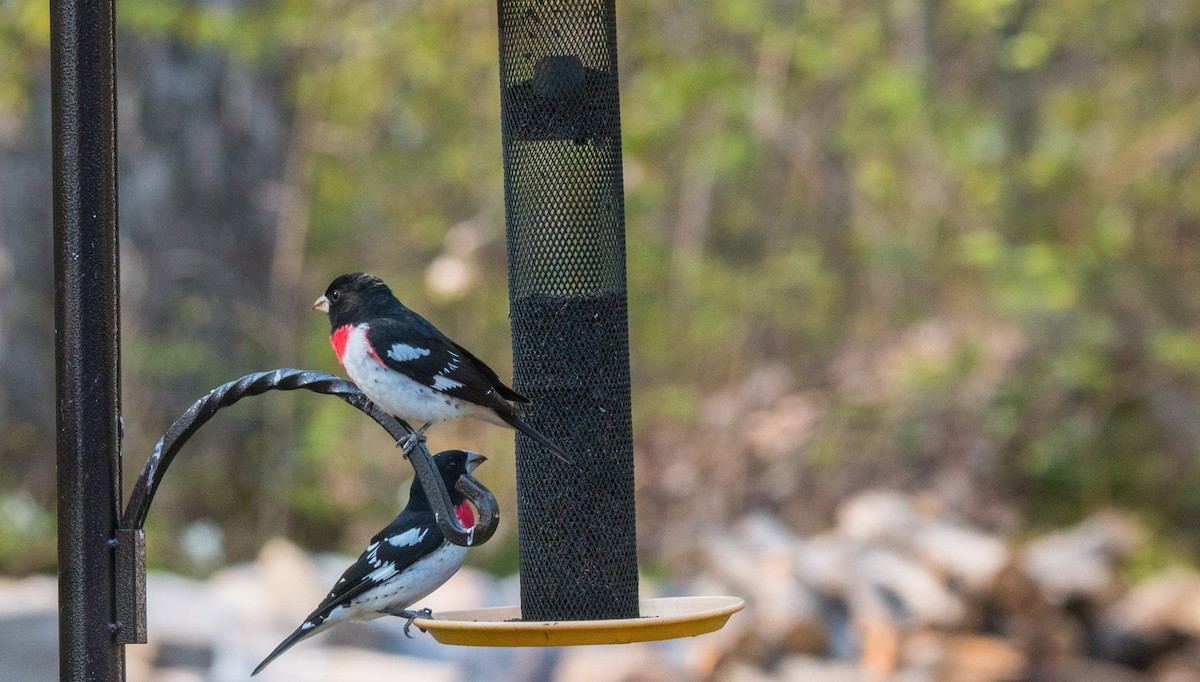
(565, 217)
(86, 335)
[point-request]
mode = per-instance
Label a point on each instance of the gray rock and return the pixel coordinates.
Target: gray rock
(1152, 617)
(1081, 561)
(970, 557)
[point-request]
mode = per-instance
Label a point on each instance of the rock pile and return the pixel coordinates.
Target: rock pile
(898, 591)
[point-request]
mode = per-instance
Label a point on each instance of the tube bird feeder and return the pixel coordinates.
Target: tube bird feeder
(565, 225)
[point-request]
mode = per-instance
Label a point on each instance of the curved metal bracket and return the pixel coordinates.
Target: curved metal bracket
(319, 382)
(130, 540)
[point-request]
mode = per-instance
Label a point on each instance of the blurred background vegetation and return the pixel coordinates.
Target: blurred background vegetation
(941, 245)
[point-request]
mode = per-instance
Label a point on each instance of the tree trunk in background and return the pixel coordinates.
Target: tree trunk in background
(202, 140)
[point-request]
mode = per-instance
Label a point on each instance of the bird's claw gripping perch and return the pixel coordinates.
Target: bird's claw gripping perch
(409, 617)
(412, 441)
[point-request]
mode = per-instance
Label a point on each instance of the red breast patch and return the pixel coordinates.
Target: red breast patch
(338, 338)
(465, 516)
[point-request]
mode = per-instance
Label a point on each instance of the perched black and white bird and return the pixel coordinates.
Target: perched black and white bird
(409, 368)
(405, 562)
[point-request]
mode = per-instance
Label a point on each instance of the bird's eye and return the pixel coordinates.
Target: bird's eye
(335, 295)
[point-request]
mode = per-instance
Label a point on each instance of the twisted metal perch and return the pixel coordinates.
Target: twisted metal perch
(130, 544)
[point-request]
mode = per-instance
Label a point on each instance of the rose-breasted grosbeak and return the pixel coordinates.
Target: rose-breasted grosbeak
(409, 368)
(404, 562)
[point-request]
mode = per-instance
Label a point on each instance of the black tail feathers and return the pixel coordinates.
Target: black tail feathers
(521, 425)
(300, 633)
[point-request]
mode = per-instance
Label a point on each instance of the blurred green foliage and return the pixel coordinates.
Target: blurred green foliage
(802, 178)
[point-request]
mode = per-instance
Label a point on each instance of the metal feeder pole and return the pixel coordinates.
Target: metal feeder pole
(565, 219)
(87, 341)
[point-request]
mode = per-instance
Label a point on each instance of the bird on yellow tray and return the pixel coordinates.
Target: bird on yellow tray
(404, 563)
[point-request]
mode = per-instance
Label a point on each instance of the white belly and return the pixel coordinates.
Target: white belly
(418, 582)
(395, 393)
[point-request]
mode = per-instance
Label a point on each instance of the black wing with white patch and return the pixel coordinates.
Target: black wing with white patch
(411, 537)
(501, 388)
(419, 351)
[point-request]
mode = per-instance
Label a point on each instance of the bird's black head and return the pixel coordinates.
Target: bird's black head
(451, 465)
(355, 298)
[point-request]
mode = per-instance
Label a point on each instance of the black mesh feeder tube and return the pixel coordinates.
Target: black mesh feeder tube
(564, 204)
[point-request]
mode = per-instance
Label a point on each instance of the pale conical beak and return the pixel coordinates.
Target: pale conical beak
(474, 459)
(322, 304)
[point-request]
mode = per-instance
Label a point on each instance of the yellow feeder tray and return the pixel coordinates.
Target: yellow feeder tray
(664, 618)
